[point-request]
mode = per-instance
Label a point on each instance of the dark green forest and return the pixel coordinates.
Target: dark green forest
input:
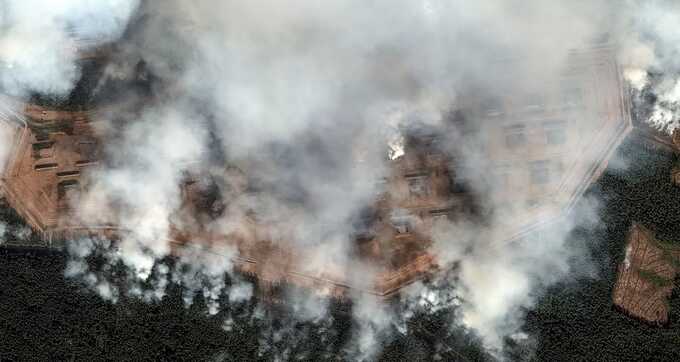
(43, 316)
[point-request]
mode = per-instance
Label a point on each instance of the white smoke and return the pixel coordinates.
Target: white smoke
(495, 283)
(650, 39)
(304, 98)
(40, 40)
(3, 232)
(291, 92)
(6, 138)
(372, 320)
(146, 182)
(79, 250)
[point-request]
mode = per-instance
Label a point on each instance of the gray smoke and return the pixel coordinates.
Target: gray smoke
(650, 58)
(40, 40)
(304, 98)
(3, 232)
(6, 138)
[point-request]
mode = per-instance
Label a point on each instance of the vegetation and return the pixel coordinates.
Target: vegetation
(654, 278)
(670, 250)
(575, 320)
(45, 317)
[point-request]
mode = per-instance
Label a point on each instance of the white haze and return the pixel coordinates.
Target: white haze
(39, 40)
(305, 95)
(39, 44)
(6, 138)
(3, 232)
(651, 37)
(295, 89)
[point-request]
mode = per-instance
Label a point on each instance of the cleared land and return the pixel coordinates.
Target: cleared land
(646, 276)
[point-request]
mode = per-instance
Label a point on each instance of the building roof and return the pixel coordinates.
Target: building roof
(542, 157)
(554, 147)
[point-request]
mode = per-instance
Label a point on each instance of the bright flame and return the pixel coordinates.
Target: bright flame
(395, 147)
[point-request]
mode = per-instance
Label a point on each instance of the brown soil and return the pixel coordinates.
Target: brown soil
(646, 276)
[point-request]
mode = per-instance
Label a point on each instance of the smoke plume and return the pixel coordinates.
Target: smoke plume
(40, 40)
(6, 138)
(650, 59)
(306, 101)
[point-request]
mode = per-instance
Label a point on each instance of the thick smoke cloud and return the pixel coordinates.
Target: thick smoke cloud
(3, 232)
(6, 138)
(650, 57)
(305, 99)
(495, 284)
(146, 169)
(40, 40)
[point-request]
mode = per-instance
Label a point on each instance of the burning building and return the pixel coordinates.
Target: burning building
(541, 150)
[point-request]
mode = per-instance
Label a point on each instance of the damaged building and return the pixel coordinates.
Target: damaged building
(542, 151)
